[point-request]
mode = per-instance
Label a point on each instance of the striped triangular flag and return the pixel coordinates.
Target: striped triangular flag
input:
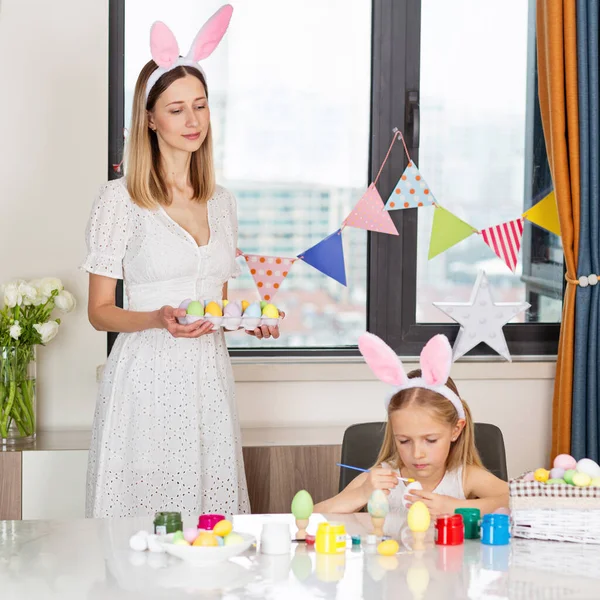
(505, 241)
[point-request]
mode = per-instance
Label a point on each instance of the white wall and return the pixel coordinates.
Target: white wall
(53, 140)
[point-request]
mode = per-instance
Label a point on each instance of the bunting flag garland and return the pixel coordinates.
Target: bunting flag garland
(505, 241)
(411, 191)
(370, 214)
(328, 257)
(268, 272)
(545, 214)
(447, 231)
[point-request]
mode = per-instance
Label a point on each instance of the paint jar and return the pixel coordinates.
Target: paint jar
(167, 522)
(449, 530)
(472, 520)
(495, 530)
(207, 522)
(330, 538)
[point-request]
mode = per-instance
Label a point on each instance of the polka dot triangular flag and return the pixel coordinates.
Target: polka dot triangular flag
(411, 191)
(505, 241)
(268, 273)
(370, 214)
(328, 257)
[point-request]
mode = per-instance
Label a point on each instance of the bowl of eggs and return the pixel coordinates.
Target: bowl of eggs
(230, 315)
(206, 547)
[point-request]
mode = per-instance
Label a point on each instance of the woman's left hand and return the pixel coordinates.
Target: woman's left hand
(436, 503)
(266, 331)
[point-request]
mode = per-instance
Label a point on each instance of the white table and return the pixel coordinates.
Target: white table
(90, 559)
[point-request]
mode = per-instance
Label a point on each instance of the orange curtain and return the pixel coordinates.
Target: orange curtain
(557, 77)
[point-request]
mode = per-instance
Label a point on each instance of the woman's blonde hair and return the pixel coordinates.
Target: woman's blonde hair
(146, 182)
(462, 452)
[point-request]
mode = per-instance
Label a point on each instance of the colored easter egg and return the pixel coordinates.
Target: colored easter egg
(557, 473)
(415, 485)
(595, 482)
(213, 309)
(388, 548)
(206, 538)
(223, 528)
(195, 309)
(245, 304)
(233, 309)
(418, 517)
(568, 476)
(554, 481)
(302, 505)
(185, 303)
(263, 303)
(253, 310)
(528, 476)
(378, 505)
(504, 510)
(190, 534)
(181, 542)
(178, 535)
(541, 475)
(564, 461)
(589, 467)
(220, 540)
(270, 311)
(581, 479)
(225, 303)
(233, 538)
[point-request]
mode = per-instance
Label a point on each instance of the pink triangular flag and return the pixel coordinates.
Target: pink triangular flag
(370, 214)
(505, 241)
(268, 273)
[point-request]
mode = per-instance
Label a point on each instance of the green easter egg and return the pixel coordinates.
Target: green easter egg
(568, 476)
(554, 481)
(195, 309)
(178, 535)
(263, 303)
(302, 505)
(233, 539)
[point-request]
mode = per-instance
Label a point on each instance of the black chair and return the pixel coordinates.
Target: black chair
(362, 443)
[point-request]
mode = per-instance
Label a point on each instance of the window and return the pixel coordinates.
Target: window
(301, 131)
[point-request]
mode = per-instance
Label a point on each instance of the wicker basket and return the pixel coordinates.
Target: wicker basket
(560, 512)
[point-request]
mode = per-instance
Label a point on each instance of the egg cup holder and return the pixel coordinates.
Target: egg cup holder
(232, 323)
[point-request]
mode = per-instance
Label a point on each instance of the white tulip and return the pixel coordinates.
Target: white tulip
(65, 301)
(12, 297)
(15, 331)
(49, 284)
(47, 330)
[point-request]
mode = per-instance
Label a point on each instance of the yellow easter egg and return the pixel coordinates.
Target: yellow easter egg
(270, 311)
(206, 538)
(595, 482)
(388, 548)
(245, 305)
(225, 302)
(213, 309)
(418, 517)
(541, 475)
(581, 479)
(223, 528)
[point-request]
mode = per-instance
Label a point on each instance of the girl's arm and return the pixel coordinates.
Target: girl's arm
(484, 490)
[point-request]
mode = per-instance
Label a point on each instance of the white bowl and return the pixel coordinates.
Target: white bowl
(206, 555)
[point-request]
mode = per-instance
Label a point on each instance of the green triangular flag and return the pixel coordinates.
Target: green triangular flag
(447, 230)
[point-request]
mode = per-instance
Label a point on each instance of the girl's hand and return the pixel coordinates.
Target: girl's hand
(167, 318)
(437, 504)
(379, 478)
(266, 331)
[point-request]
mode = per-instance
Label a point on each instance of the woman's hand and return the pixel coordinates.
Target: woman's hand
(436, 503)
(266, 331)
(379, 478)
(167, 318)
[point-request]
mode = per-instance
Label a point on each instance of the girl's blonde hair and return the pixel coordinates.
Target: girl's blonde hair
(462, 452)
(146, 182)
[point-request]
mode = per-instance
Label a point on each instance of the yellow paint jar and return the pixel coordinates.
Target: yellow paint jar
(330, 538)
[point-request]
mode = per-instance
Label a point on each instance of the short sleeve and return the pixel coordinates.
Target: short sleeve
(107, 233)
(236, 269)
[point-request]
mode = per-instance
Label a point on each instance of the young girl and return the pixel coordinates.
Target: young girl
(429, 437)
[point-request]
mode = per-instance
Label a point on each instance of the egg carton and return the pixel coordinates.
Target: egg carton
(232, 323)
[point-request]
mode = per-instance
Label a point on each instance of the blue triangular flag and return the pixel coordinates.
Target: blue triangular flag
(328, 257)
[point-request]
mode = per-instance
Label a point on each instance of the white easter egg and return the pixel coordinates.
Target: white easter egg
(589, 467)
(415, 485)
(138, 542)
(153, 544)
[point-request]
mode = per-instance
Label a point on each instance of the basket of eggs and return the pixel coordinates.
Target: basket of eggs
(230, 315)
(561, 504)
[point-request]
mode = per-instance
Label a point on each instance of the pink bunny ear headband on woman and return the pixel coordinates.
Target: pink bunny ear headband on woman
(165, 50)
(436, 361)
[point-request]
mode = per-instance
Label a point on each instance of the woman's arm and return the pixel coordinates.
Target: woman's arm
(104, 315)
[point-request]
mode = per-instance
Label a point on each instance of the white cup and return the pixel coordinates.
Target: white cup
(275, 538)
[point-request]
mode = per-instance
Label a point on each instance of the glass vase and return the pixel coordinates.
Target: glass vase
(17, 395)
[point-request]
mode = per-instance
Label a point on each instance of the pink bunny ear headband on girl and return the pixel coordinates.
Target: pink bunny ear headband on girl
(436, 361)
(165, 50)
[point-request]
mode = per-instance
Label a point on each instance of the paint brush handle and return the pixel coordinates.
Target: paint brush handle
(407, 479)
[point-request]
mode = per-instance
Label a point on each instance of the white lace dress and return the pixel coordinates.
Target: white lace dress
(166, 433)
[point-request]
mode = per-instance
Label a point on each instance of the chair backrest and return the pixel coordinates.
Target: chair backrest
(362, 442)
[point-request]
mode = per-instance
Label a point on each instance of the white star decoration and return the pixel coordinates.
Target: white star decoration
(481, 319)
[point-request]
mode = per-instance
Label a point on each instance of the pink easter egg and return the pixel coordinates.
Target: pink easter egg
(557, 473)
(528, 476)
(190, 534)
(565, 461)
(502, 511)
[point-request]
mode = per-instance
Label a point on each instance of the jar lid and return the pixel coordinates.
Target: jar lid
(496, 519)
(167, 516)
(455, 520)
(468, 512)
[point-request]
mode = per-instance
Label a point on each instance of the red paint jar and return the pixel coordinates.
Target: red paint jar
(449, 530)
(209, 521)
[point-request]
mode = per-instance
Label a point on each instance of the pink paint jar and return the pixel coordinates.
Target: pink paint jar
(207, 522)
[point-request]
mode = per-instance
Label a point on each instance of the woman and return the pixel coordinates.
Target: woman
(165, 434)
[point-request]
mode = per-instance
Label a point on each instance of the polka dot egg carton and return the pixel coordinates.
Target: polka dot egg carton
(231, 315)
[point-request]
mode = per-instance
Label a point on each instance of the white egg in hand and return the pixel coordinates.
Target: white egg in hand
(415, 485)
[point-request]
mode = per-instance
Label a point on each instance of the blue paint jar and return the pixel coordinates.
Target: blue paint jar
(495, 530)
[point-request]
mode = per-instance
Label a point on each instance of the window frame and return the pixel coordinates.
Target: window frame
(391, 260)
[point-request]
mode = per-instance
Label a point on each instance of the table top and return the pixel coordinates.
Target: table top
(91, 559)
